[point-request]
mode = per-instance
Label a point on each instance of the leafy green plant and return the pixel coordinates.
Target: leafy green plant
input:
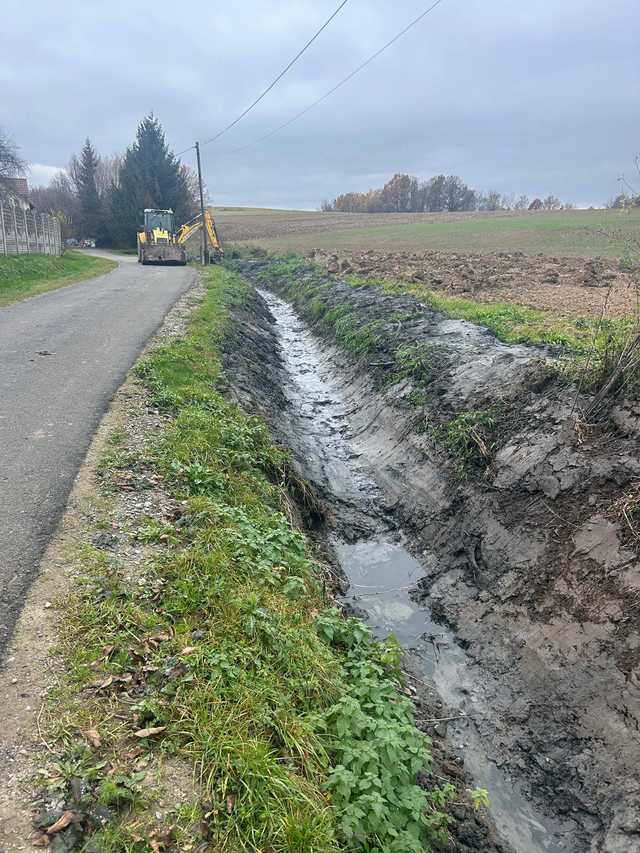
(377, 752)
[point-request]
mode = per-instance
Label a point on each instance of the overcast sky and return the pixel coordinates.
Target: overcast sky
(536, 97)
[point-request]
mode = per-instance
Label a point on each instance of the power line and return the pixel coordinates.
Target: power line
(346, 79)
(277, 79)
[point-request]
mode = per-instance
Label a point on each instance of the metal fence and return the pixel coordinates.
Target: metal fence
(26, 231)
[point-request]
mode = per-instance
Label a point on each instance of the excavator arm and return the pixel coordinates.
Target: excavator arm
(193, 227)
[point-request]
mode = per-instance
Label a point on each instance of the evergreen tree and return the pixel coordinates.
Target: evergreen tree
(150, 176)
(91, 218)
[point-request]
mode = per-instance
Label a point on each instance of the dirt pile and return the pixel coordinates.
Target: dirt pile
(515, 508)
(536, 280)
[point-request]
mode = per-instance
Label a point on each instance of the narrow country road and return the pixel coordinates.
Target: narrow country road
(62, 356)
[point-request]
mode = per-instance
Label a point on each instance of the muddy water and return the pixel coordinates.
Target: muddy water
(382, 572)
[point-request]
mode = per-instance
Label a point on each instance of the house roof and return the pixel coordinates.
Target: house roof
(19, 186)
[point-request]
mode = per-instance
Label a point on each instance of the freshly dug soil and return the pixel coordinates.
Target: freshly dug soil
(528, 556)
(256, 375)
(568, 286)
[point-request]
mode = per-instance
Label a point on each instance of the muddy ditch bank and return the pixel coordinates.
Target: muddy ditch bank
(525, 557)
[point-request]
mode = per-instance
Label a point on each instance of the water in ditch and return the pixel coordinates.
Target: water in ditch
(382, 572)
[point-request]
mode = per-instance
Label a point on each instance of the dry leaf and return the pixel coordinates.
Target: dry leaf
(112, 679)
(154, 730)
(41, 840)
(136, 752)
(188, 650)
(62, 823)
(230, 803)
(93, 737)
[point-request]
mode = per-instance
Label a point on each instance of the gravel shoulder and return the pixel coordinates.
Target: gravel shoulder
(31, 671)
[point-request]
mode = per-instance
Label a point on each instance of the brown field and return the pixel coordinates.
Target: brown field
(566, 261)
(566, 286)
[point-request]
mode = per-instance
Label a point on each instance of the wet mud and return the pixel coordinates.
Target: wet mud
(516, 588)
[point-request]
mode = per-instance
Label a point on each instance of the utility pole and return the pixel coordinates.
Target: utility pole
(204, 252)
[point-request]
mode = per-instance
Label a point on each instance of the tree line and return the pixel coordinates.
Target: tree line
(102, 198)
(408, 194)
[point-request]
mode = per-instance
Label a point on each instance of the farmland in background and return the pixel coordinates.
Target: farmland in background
(575, 233)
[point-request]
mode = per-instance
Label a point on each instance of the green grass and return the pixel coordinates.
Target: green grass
(516, 324)
(287, 714)
(22, 276)
(510, 323)
(580, 233)
(467, 438)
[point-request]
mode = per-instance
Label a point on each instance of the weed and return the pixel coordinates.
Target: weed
(289, 714)
(467, 437)
(377, 752)
(418, 361)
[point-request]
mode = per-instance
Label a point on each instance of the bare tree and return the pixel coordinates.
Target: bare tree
(551, 203)
(522, 203)
(490, 200)
(61, 200)
(11, 164)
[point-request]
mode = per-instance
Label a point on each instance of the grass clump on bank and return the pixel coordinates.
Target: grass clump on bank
(467, 438)
(225, 657)
(28, 275)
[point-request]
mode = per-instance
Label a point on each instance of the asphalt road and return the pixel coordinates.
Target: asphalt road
(62, 356)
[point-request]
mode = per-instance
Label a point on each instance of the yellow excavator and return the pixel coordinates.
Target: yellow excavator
(186, 231)
(159, 243)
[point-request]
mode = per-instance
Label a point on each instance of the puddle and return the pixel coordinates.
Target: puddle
(382, 572)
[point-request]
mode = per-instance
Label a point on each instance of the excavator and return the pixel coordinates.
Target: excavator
(159, 243)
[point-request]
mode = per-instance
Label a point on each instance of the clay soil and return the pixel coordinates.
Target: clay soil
(567, 286)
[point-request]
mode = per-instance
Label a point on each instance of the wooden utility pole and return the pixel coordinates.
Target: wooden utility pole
(204, 258)
(2, 228)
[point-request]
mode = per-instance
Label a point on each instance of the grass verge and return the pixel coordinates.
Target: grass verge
(28, 275)
(224, 657)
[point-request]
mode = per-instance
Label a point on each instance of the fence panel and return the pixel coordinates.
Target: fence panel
(28, 231)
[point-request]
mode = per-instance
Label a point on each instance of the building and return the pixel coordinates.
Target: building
(16, 192)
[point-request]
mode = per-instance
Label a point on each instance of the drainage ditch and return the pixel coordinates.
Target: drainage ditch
(513, 588)
(375, 557)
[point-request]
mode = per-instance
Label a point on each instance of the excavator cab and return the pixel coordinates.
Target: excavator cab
(160, 221)
(157, 241)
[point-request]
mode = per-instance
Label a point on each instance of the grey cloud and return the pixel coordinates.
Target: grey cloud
(530, 97)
